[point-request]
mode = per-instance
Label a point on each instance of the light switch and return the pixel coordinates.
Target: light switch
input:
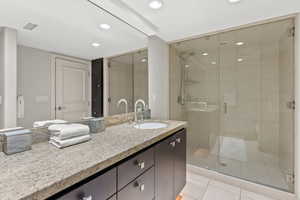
(0, 100)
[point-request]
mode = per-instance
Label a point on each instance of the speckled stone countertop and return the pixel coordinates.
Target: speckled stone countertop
(46, 170)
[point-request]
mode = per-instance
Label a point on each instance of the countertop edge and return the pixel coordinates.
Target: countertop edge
(69, 181)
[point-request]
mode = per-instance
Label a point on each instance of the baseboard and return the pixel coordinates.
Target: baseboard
(243, 184)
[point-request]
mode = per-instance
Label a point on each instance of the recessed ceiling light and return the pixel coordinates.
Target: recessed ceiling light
(240, 59)
(105, 26)
(240, 43)
(187, 66)
(30, 26)
(155, 4)
(213, 62)
(234, 1)
(144, 60)
(204, 54)
(95, 44)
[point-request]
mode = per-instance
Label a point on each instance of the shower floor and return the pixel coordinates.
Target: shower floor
(241, 158)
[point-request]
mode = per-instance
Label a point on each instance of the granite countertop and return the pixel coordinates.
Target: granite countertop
(46, 170)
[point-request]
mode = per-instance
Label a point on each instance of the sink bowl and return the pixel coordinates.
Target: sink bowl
(150, 125)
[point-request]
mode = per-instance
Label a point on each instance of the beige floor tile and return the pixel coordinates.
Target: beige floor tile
(196, 178)
(194, 190)
(184, 197)
(246, 195)
(225, 187)
(220, 193)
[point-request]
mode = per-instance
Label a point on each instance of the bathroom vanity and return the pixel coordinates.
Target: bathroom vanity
(157, 172)
(121, 163)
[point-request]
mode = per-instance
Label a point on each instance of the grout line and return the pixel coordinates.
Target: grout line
(206, 188)
(240, 193)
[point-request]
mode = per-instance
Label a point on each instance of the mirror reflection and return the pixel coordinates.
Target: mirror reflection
(56, 62)
(128, 81)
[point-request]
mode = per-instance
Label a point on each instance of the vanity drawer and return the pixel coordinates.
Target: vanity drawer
(141, 188)
(100, 188)
(134, 167)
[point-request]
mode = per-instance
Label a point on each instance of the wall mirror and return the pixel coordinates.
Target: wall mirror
(59, 60)
(128, 80)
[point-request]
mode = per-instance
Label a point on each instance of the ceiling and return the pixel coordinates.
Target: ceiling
(70, 26)
(187, 18)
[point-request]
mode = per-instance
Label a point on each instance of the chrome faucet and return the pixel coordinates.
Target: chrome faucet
(126, 104)
(136, 106)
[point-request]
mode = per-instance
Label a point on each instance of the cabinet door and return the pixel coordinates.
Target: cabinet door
(180, 162)
(164, 169)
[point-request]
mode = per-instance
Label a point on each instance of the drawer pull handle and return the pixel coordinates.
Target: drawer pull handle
(142, 187)
(141, 165)
(173, 144)
(87, 198)
(178, 140)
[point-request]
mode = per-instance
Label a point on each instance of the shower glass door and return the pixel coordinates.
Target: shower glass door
(195, 94)
(236, 90)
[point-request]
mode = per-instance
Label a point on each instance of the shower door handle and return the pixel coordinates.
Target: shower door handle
(291, 105)
(225, 108)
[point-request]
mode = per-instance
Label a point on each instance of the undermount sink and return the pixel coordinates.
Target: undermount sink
(150, 125)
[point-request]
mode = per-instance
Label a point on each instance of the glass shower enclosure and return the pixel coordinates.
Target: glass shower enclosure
(236, 90)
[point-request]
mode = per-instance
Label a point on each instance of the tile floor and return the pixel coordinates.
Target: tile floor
(202, 188)
(253, 164)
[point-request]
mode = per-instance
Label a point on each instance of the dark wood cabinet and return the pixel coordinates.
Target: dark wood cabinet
(170, 165)
(158, 172)
(164, 175)
(100, 188)
(140, 189)
(180, 162)
(131, 169)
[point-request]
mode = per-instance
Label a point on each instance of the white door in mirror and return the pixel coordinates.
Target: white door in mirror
(72, 90)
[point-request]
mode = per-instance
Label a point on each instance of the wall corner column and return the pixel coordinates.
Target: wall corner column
(8, 77)
(158, 76)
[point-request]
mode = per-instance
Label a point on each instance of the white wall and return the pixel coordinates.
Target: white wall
(34, 84)
(158, 61)
(8, 88)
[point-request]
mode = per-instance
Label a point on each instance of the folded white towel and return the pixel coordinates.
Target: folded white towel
(48, 122)
(66, 131)
(65, 143)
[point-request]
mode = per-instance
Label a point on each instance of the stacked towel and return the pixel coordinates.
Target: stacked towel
(48, 122)
(64, 135)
